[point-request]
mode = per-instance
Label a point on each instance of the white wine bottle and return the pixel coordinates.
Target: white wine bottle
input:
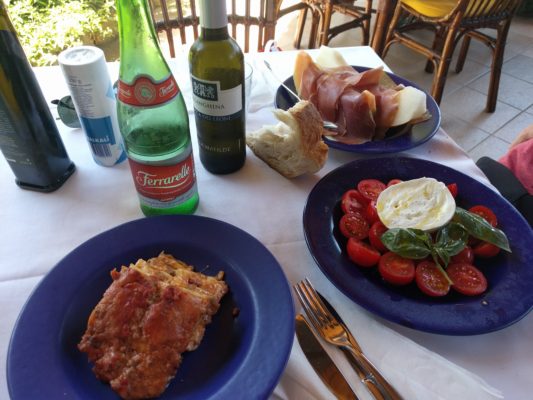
(216, 65)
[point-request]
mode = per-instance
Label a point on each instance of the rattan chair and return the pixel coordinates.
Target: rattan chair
(322, 11)
(453, 20)
(247, 19)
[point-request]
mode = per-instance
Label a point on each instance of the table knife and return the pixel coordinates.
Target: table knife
(321, 361)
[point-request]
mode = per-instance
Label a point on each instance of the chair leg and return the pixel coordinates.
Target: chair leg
(366, 24)
(496, 67)
(439, 80)
(300, 27)
(462, 53)
(326, 21)
(315, 25)
(438, 43)
(366, 32)
(390, 31)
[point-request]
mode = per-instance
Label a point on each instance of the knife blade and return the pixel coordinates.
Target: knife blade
(321, 361)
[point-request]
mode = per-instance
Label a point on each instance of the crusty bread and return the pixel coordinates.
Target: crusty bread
(294, 146)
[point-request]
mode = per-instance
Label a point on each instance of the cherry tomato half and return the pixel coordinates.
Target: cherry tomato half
(374, 235)
(464, 256)
(430, 279)
(486, 250)
(394, 182)
(467, 279)
(354, 225)
(395, 269)
(485, 213)
(362, 253)
(370, 188)
(371, 213)
(352, 201)
(454, 190)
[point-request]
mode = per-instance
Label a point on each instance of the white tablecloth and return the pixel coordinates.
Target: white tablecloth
(37, 230)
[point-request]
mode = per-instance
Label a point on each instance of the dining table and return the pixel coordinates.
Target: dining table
(37, 230)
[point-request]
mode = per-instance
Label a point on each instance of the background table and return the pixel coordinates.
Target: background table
(37, 230)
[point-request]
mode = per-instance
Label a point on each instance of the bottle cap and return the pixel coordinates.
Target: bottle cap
(213, 14)
(80, 55)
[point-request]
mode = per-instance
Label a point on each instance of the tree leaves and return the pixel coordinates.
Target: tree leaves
(47, 27)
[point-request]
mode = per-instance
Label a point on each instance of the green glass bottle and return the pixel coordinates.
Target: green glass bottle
(153, 118)
(29, 138)
(216, 65)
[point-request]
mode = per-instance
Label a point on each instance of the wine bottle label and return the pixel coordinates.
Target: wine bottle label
(145, 92)
(213, 104)
(164, 185)
(11, 144)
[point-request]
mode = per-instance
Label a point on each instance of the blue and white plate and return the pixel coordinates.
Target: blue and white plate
(510, 276)
(240, 357)
(415, 136)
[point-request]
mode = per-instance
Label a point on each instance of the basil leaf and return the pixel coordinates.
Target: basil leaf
(408, 243)
(451, 239)
(436, 257)
(443, 256)
(481, 229)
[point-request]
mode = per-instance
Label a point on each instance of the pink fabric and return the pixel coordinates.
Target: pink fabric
(520, 161)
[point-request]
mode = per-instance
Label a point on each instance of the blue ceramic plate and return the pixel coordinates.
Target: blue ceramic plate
(509, 296)
(415, 136)
(240, 357)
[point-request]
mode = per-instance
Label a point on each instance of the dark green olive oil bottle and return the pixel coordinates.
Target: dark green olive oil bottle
(29, 138)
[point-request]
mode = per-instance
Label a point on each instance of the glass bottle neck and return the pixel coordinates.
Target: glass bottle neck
(214, 34)
(139, 46)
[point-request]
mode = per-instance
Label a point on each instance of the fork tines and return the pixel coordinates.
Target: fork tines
(312, 304)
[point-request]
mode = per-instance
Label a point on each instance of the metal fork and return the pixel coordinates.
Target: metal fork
(336, 333)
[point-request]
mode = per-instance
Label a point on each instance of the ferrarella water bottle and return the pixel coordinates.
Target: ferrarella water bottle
(153, 118)
(216, 64)
(29, 138)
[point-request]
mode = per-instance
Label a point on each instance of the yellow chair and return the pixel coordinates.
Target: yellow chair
(453, 20)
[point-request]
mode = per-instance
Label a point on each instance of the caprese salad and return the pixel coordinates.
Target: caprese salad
(414, 231)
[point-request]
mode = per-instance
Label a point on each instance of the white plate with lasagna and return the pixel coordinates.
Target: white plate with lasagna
(242, 355)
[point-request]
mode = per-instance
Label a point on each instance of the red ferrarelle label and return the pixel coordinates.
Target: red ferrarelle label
(145, 92)
(163, 183)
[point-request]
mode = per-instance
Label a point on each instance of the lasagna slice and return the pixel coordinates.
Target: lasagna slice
(153, 311)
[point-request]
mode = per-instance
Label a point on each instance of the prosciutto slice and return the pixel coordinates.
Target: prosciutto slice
(362, 108)
(333, 83)
(357, 112)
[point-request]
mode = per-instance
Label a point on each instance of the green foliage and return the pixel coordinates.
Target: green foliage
(47, 27)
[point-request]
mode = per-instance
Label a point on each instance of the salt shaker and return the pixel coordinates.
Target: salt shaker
(85, 71)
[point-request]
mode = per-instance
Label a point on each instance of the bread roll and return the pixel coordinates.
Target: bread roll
(294, 146)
